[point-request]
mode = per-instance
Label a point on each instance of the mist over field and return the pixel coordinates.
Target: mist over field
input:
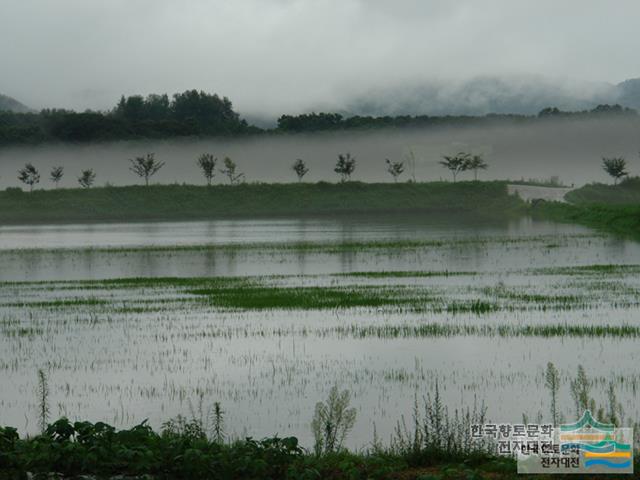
(571, 150)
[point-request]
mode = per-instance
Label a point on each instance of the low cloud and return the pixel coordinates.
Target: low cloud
(273, 56)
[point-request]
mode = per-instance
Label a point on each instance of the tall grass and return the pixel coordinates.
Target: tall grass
(43, 400)
(332, 421)
(436, 434)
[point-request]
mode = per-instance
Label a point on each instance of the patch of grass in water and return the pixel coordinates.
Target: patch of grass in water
(537, 298)
(312, 247)
(595, 269)
(449, 330)
(22, 332)
(409, 273)
(173, 282)
(74, 302)
(475, 306)
(303, 298)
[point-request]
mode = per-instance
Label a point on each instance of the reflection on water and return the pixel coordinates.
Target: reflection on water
(345, 229)
(269, 367)
(493, 250)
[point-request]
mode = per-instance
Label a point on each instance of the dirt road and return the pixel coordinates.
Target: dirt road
(530, 193)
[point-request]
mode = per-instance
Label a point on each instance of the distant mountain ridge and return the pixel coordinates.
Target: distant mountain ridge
(483, 95)
(524, 95)
(12, 105)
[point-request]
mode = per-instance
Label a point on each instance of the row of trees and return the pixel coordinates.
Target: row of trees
(463, 162)
(147, 166)
(346, 165)
(30, 176)
(144, 167)
(322, 121)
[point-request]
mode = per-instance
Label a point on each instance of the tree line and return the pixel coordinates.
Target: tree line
(197, 113)
(311, 122)
(144, 167)
(147, 166)
(190, 113)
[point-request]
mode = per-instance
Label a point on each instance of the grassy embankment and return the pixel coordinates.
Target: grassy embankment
(189, 202)
(607, 207)
(612, 208)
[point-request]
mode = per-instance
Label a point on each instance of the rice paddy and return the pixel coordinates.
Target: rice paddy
(142, 321)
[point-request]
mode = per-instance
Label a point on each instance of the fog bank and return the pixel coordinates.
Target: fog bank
(571, 150)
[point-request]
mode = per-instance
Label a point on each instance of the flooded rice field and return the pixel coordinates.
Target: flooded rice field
(137, 321)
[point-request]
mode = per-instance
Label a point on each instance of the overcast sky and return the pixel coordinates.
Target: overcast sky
(287, 55)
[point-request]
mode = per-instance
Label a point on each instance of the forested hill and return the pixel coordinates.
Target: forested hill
(155, 116)
(200, 114)
(11, 105)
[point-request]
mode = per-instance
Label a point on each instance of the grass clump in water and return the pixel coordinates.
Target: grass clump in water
(303, 298)
(407, 274)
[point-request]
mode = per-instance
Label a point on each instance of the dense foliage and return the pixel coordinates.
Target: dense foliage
(310, 122)
(71, 449)
(86, 448)
(197, 113)
(156, 116)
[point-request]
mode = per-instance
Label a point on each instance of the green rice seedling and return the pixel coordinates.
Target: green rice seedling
(409, 273)
(259, 298)
(477, 306)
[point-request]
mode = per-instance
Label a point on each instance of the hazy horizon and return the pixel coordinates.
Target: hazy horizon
(571, 150)
(288, 56)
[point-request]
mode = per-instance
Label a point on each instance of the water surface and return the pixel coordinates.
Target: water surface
(123, 353)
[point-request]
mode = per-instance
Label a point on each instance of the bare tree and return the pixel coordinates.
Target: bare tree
(475, 163)
(456, 163)
(56, 175)
(29, 175)
(615, 167)
(145, 167)
(207, 163)
(345, 166)
(300, 167)
(230, 171)
(395, 169)
(86, 178)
